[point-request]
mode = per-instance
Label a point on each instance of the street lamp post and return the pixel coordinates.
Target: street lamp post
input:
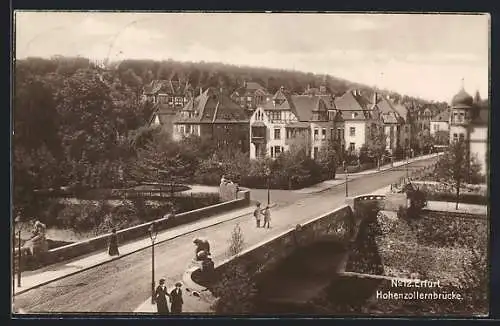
(268, 174)
(346, 180)
(18, 224)
(407, 162)
(153, 233)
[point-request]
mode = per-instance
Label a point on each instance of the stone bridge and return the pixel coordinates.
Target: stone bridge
(336, 232)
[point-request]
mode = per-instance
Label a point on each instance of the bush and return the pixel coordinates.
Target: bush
(235, 290)
(465, 198)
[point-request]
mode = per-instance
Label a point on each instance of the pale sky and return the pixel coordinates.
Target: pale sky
(414, 54)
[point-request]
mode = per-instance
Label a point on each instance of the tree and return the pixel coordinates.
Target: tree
(237, 242)
(454, 167)
(328, 159)
(378, 144)
(441, 137)
(163, 160)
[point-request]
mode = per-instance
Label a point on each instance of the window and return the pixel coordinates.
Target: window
(339, 134)
(436, 127)
(455, 137)
(406, 129)
(315, 153)
(277, 150)
(170, 100)
(182, 129)
(272, 151)
(462, 117)
(249, 99)
(323, 134)
(275, 115)
(461, 137)
(332, 133)
(351, 147)
(277, 133)
(316, 134)
(352, 131)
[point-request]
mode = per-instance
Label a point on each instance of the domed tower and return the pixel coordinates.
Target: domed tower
(461, 113)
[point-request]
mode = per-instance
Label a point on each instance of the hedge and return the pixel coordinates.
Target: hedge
(465, 198)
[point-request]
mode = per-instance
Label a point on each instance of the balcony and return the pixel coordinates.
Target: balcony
(258, 133)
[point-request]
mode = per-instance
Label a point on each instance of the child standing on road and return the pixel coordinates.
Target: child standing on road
(267, 217)
(257, 213)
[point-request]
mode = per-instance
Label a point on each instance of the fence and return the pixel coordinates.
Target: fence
(422, 173)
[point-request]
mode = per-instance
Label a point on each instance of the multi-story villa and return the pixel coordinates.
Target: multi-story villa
(250, 96)
(287, 119)
(168, 98)
(214, 115)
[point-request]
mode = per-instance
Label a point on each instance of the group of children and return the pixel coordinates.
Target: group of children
(258, 213)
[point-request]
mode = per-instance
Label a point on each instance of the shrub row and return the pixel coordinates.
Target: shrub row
(466, 198)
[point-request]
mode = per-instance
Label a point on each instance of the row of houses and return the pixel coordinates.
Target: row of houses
(264, 124)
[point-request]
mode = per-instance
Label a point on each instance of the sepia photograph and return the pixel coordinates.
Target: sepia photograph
(250, 164)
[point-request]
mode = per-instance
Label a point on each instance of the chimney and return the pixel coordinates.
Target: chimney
(375, 98)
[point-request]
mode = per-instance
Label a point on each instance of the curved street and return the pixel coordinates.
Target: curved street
(120, 286)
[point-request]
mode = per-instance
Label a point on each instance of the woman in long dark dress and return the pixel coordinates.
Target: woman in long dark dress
(161, 295)
(113, 244)
(176, 299)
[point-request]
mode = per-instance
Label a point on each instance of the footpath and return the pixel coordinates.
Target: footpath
(45, 275)
(341, 177)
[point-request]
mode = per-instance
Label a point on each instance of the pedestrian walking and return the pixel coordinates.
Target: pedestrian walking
(176, 301)
(161, 296)
(257, 213)
(267, 217)
(113, 244)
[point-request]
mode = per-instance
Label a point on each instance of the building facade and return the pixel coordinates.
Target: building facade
(168, 98)
(250, 96)
(469, 122)
(361, 120)
(287, 120)
(214, 115)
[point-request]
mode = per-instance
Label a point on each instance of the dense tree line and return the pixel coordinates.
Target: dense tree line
(81, 125)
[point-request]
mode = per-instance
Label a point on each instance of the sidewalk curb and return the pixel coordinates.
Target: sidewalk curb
(365, 174)
(127, 254)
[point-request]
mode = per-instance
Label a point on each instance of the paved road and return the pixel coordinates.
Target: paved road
(124, 284)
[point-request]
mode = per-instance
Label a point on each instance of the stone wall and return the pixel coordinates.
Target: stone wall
(337, 225)
(140, 231)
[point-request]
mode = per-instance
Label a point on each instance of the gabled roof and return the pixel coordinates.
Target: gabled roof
(401, 109)
(213, 107)
(329, 100)
(444, 116)
(353, 103)
(171, 87)
(249, 89)
(162, 110)
(305, 105)
(281, 100)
